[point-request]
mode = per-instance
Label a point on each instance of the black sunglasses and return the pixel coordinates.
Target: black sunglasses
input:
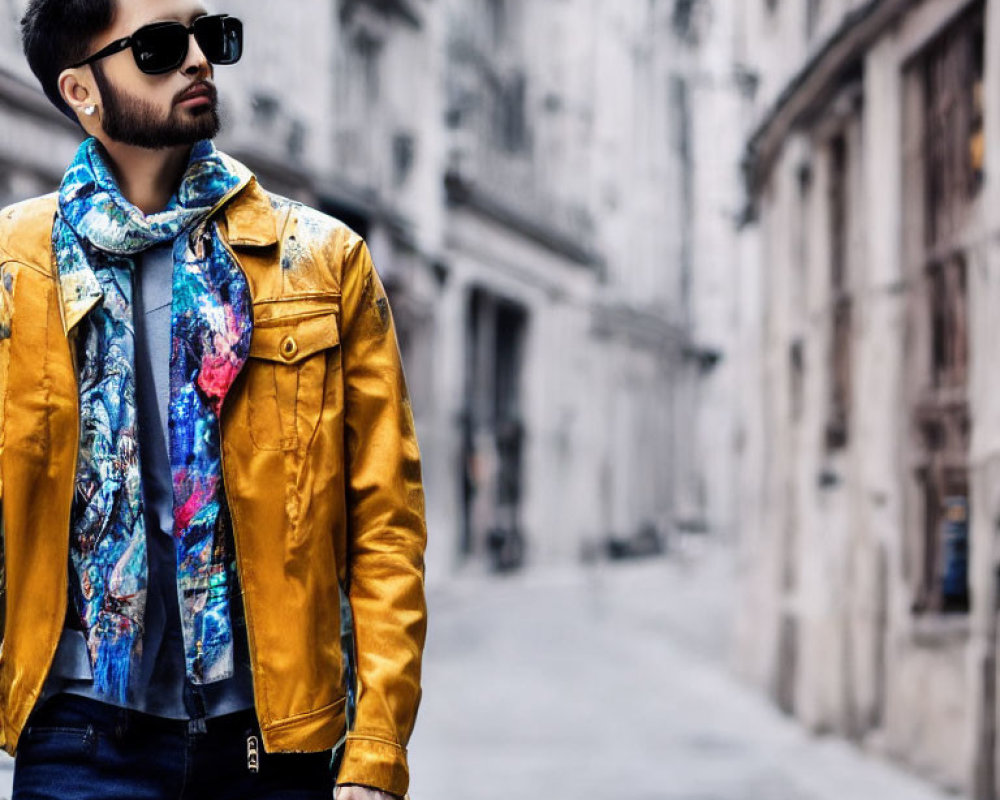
(163, 46)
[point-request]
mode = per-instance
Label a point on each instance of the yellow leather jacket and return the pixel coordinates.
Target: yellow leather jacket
(321, 469)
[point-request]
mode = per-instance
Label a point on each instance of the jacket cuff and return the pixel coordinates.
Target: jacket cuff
(374, 762)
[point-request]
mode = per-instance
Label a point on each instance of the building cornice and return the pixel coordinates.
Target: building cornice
(642, 327)
(463, 192)
(835, 62)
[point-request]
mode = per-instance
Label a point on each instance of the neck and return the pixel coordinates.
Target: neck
(147, 178)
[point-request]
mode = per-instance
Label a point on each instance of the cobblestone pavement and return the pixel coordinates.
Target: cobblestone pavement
(609, 682)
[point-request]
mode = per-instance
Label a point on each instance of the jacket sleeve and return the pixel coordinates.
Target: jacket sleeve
(6, 323)
(386, 533)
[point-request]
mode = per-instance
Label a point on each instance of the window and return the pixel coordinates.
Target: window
(813, 10)
(498, 21)
(944, 170)
(512, 124)
(839, 404)
(797, 364)
(946, 285)
(690, 20)
(951, 72)
(366, 55)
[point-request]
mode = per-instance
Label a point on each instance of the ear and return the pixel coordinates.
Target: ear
(78, 89)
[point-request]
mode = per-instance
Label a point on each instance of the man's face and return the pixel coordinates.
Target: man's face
(154, 111)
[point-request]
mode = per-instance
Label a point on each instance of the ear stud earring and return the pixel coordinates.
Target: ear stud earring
(90, 110)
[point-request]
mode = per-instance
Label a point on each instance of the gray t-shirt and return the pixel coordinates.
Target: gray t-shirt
(161, 687)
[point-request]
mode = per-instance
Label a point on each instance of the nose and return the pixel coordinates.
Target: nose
(196, 62)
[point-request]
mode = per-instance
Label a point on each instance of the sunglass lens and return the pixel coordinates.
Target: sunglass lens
(220, 38)
(160, 48)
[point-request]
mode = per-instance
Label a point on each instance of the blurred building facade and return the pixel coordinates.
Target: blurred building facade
(528, 176)
(872, 441)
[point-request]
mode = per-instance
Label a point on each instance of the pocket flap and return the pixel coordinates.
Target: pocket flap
(289, 339)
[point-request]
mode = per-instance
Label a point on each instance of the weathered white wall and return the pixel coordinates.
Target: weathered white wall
(825, 563)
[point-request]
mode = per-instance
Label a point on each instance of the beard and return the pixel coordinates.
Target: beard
(133, 121)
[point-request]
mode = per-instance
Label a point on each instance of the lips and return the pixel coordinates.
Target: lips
(199, 91)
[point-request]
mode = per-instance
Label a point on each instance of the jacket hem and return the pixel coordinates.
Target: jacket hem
(311, 732)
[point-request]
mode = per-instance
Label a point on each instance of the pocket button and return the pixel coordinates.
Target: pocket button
(289, 347)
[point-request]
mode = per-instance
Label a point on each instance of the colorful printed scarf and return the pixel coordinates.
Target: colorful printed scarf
(97, 234)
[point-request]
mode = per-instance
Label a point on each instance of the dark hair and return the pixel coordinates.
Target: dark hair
(57, 33)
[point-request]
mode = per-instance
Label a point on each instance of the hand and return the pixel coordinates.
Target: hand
(354, 791)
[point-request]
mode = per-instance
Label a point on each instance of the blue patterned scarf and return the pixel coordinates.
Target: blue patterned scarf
(96, 236)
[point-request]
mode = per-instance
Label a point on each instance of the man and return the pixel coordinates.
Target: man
(205, 440)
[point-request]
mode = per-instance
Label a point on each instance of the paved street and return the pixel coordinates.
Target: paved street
(609, 682)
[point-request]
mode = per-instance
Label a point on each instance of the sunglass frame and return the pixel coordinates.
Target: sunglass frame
(229, 25)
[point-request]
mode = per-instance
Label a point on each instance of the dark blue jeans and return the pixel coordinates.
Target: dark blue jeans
(75, 748)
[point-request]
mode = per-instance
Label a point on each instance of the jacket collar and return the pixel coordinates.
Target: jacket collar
(250, 218)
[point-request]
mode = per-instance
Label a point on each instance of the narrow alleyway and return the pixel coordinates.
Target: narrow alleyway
(611, 683)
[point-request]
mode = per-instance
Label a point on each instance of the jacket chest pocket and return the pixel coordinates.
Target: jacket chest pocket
(292, 350)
